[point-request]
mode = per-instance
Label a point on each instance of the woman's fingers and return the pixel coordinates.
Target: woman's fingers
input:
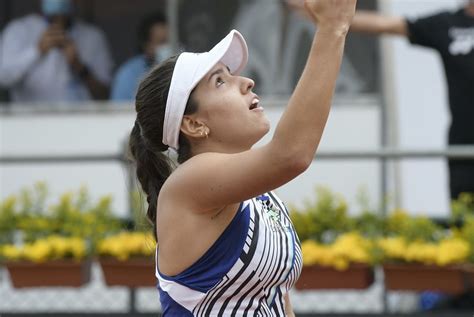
(331, 12)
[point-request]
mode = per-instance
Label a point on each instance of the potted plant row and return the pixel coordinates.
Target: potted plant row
(127, 259)
(335, 255)
(339, 265)
(416, 254)
(51, 261)
(52, 245)
(420, 255)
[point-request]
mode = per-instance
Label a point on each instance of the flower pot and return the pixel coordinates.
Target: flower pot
(420, 277)
(138, 272)
(49, 274)
(357, 276)
(468, 270)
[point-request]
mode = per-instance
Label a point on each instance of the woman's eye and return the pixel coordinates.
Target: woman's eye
(219, 81)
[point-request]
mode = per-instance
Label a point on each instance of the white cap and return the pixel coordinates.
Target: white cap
(190, 68)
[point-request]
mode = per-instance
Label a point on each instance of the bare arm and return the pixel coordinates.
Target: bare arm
(301, 126)
(288, 308)
(212, 180)
(374, 23)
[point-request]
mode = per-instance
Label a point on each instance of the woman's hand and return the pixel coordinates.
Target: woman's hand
(332, 14)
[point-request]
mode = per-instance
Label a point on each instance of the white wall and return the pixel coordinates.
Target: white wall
(419, 101)
(352, 125)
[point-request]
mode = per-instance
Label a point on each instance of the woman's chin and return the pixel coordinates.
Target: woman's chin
(263, 132)
(266, 127)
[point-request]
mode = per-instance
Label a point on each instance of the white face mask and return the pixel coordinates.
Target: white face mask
(162, 52)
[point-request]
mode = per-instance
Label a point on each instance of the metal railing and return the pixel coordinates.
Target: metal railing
(383, 155)
(452, 152)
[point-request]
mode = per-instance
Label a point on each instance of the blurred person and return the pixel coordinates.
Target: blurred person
(279, 40)
(451, 34)
(226, 242)
(54, 57)
(3, 91)
(153, 48)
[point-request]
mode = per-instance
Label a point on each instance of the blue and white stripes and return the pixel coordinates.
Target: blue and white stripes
(268, 265)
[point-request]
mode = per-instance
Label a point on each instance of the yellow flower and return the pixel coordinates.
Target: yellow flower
(394, 247)
(348, 248)
(51, 248)
(59, 246)
(11, 252)
(422, 252)
(38, 251)
(77, 247)
(452, 251)
(447, 251)
(341, 264)
(128, 244)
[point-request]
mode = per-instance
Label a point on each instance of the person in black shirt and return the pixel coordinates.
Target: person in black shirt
(452, 35)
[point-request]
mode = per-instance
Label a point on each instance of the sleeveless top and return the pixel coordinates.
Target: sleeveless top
(246, 272)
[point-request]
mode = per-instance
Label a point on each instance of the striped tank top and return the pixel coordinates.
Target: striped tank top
(246, 272)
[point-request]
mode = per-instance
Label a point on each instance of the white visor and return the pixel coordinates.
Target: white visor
(190, 68)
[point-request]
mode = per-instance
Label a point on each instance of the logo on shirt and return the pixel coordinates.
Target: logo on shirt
(273, 213)
(462, 40)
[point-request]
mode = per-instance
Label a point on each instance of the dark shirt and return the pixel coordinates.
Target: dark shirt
(452, 35)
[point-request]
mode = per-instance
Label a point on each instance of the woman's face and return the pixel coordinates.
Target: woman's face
(229, 108)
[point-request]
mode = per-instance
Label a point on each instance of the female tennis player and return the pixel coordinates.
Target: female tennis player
(226, 244)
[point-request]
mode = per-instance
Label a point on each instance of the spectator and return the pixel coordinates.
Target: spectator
(451, 34)
(153, 48)
(54, 57)
(3, 92)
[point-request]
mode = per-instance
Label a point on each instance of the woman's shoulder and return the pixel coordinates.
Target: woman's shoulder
(192, 166)
(177, 184)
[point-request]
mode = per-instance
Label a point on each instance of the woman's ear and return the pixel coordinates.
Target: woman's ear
(193, 128)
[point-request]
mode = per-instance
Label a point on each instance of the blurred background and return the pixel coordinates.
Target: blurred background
(380, 186)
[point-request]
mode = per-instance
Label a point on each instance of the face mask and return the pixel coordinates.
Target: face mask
(162, 52)
(56, 7)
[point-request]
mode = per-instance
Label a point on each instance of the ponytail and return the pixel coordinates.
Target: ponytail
(153, 167)
(146, 147)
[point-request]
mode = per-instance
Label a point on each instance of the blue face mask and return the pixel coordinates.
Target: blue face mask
(56, 7)
(162, 52)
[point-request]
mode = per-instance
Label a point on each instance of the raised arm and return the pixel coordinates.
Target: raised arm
(374, 23)
(213, 180)
(302, 124)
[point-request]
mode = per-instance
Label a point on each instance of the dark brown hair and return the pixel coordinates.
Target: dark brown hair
(146, 147)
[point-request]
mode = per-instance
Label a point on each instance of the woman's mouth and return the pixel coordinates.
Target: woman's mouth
(254, 106)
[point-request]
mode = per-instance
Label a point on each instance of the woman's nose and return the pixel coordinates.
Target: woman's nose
(247, 84)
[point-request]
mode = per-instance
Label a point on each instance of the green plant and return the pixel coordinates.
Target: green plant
(462, 207)
(33, 200)
(322, 220)
(31, 212)
(418, 239)
(369, 224)
(467, 233)
(8, 220)
(27, 217)
(23, 210)
(413, 228)
(76, 216)
(368, 221)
